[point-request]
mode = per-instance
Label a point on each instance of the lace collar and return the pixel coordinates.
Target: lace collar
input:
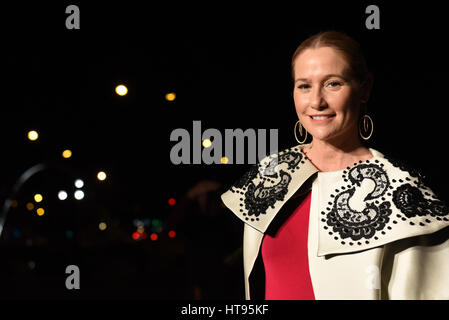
(368, 204)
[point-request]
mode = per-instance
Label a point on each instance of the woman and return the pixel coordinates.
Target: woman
(334, 219)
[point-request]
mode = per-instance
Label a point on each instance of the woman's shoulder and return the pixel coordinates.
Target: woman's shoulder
(402, 164)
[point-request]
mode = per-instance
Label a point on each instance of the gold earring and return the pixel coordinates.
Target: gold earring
(300, 132)
(365, 120)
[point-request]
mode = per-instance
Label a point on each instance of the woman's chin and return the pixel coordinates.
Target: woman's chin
(322, 136)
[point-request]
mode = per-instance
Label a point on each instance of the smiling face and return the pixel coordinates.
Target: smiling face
(324, 88)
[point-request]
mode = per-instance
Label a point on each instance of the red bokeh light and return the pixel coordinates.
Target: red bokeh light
(171, 234)
(136, 235)
(153, 236)
(171, 201)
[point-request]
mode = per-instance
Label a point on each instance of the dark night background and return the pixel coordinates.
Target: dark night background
(229, 66)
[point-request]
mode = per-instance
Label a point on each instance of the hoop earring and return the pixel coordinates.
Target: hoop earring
(365, 120)
(300, 132)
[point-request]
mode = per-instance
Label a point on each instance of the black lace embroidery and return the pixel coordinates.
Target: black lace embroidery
(291, 158)
(265, 184)
(412, 203)
(375, 218)
(259, 197)
(350, 223)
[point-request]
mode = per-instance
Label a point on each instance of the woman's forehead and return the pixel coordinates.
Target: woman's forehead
(320, 61)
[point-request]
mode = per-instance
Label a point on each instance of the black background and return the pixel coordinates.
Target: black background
(229, 65)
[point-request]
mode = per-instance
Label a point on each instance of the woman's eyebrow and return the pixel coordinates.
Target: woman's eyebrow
(325, 77)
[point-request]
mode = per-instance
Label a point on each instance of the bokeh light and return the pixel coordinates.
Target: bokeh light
(172, 234)
(30, 206)
(224, 160)
(62, 195)
(38, 197)
(136, 235)
(79, 183)
(121, 90)
(207, 143)
(79, 194)
(66, 153)
(102, 226)
(101, 176)
(170, 96)
(154, 236)
(33, 135)
(40, 211)
(171, 201)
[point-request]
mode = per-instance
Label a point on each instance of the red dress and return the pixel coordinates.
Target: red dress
(285, 257)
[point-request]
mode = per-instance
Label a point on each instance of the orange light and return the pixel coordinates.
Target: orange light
(170, 96)
(67, 154)
(153, 236)
(171, 201)
(172, 234)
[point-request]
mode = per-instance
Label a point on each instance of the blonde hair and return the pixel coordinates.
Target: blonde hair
(347, 46)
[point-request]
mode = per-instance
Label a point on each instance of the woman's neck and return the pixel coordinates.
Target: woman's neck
(331, 156)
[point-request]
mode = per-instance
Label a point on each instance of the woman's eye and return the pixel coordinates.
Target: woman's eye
(334, 84)
(303, 86)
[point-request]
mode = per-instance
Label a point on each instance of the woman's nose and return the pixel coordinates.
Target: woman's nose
(320, 108)
(317, 101)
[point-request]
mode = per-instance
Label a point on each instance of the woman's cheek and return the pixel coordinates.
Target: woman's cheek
(299, 103)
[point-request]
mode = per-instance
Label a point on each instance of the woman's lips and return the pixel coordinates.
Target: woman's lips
(322, 118)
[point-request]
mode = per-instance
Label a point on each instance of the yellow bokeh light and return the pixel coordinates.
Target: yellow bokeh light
(170, 96)
(40, 211)
(30, 206)
(33, 135)
(207, 143)
(121, 90)
(38, 197)
(101, 176)
(102, 226)
(67, 154)
(224, 160)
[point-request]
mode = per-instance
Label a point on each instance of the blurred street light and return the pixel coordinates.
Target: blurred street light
(67, 154)
(62, 195)
(79, 183)
(38, 197)
(101, 176)
(170, 96)
(79, 194)
(33, 135)
(121, 90)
